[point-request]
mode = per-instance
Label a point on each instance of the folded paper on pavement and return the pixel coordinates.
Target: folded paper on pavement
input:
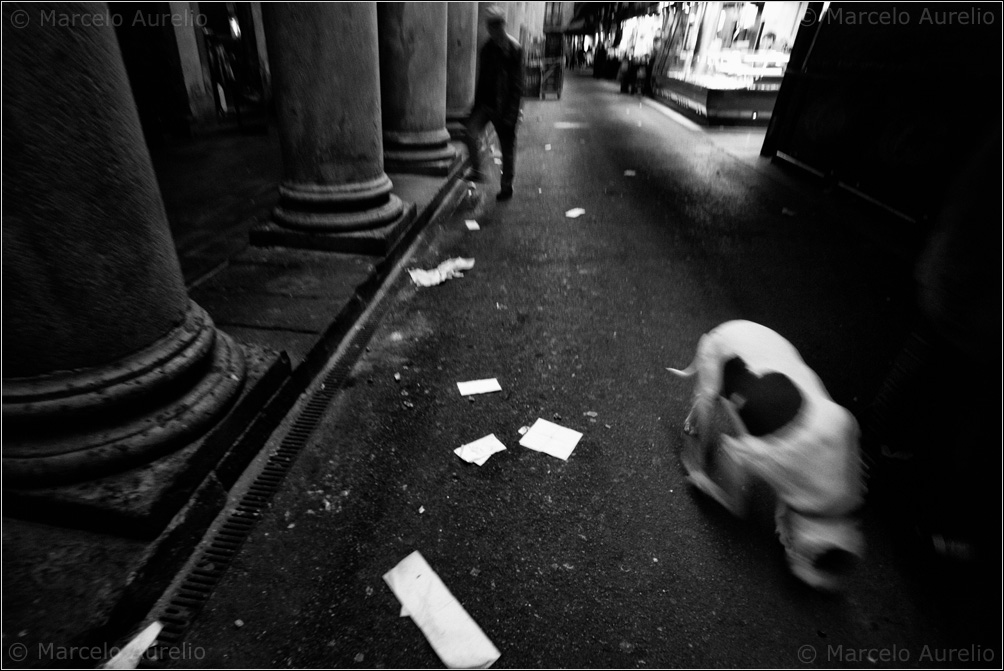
(446, 270)
(575, 213)
(548, 437)
(450, 630)
(472, 225)
(479, 387)
(480, 450)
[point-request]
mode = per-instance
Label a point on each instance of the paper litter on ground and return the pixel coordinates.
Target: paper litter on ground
(446, 270)
(550, 438)
(450, 630)
(629, 173)
(480, 450)
(130, 654)
(547, 147)
(575, 212)
(479, 387)
(472, 225)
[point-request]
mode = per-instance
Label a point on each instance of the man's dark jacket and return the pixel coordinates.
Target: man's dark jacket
(500, 81)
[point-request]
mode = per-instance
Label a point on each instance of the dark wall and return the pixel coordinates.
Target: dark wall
(147, 41)
(892, 99)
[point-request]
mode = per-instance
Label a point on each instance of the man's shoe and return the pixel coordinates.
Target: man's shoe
(505, 193)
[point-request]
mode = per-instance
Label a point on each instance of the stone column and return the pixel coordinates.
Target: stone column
(413, 87)
(107, 364)
(326, 83)
(461, 63)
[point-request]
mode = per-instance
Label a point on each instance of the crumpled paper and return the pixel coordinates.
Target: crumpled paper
(446, 270)
(480, 450)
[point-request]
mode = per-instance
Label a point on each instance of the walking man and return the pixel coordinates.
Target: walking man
(497, 98)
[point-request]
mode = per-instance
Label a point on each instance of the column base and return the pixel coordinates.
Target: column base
(418, 153)
(140, 502)
(372, 241)
(78, 426)
(456, 123)
(320, 208)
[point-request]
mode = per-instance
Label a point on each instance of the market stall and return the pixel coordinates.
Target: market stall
(724, 61)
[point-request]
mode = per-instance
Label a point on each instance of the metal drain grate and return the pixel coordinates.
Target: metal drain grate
(195, 589)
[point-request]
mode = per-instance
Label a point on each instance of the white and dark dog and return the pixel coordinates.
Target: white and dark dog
(789, 434)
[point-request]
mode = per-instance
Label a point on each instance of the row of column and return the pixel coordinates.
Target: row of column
(364, 87)
(107, 362)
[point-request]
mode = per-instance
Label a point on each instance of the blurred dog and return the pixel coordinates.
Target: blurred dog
(788, 433)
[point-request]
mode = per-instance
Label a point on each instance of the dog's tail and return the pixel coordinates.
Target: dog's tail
(689, 371)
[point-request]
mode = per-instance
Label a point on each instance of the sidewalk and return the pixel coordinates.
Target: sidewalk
(66, 587)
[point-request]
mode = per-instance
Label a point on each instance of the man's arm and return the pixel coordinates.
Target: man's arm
(515, 75)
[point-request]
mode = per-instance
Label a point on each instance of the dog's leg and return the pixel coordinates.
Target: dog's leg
(705, 484)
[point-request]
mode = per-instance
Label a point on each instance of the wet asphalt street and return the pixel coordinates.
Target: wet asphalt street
(608, 559)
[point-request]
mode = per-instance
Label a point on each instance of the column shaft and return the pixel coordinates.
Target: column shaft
(99, 329)
(326, 79)
(413, 86)
(461, 60)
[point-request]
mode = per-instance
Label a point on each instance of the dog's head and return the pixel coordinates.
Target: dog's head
(764, 403)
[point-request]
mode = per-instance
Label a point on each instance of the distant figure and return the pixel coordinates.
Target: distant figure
(497, 98)
(599, 61)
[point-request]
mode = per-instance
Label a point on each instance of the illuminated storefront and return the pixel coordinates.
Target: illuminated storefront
(724, 61)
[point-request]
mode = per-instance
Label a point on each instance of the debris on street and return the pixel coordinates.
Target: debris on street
(472, 225)
(550, 438)
(630, 173)
(446, 270)
(575, 212)
(479, 387)
(128, 657)
(480, 450)
(450, 630)
(547, 147)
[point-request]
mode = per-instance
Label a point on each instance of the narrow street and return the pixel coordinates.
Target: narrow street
(608, 559)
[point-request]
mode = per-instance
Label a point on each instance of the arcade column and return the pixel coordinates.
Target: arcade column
(326, 82)
(461, 63)
(413, 87)
(107, 364)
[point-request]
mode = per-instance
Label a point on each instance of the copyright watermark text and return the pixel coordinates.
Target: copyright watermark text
(895, 655)
(54, 18)
(92, 654)
(891, 15)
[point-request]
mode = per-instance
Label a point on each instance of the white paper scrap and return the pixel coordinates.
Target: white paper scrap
(479, 387)
(472, 225)
(480, 450)
(575, 212)
(547, 147)
(130, 654)
(450, 630)
(446, 270)
(548, 437)
(629, 173)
